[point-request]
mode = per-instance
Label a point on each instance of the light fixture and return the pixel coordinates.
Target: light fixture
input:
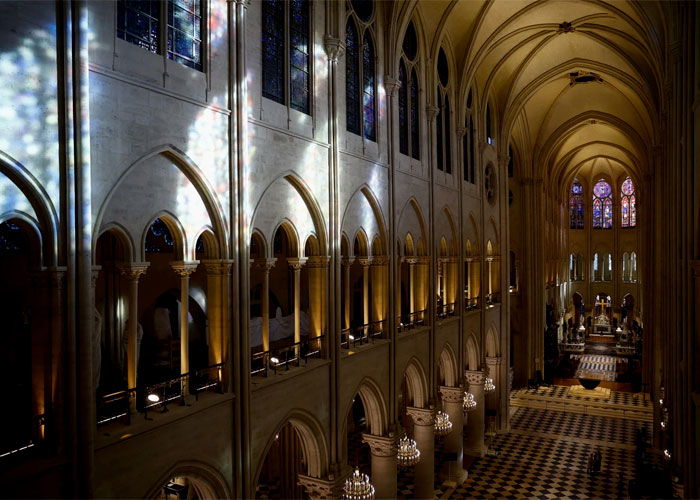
(358, 487)
(581, 328)
(153, 397)
(443, 426)
(351, 337)
(618, 330)
(468, 403)
(488, 385)
(667, 455)
(274, 361)
(664, 419)
(408, 454)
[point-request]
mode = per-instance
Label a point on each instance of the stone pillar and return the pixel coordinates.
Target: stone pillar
(217, 298)
(500, 395)
(424, 434)
(384, 464)
(379, 293)
(453, 470)
(422, 286)
(297, 264)
(265, 265)
(347, 263)
(443, 264)
(96, 331)
(317, 269)
(365, 263)
(474, 441)
(184, 269)
(412, 283)
(132, 272)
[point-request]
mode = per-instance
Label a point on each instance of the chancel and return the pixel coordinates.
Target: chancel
(349, 249)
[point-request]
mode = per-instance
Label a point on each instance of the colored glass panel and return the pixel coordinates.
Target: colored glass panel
(403, 110)
(625, 211)
(607, 214)
(633, 212)
(273, 82)
(299, 60)
(628, 187)
(138, 23)
(352, 77)
(597, 213)
(448, 135)
(185, 32)
(602, 189)
(415, 117)
(368, 87)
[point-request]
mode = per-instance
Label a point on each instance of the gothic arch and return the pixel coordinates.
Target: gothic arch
(124, 238)
(32, 230)
(206, 480)
(176, 230)
(416, 382)
(192, 172)
(375, 406)
(472, 353)
(211, 245)
(404, 226)
(492, 344)
(292, 238)
(448, 363)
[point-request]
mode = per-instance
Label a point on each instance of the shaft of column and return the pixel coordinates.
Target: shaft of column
(411, 284)
(474, 440)
(215, 311)
(132, 272)
(424, 434)
(297, 304)
(266, 310)
(365, 292)
(384, 465)
(184, 323)
(346, 315)
(445, 272)
(453, 470)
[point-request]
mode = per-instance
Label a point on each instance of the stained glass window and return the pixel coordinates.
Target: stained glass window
(352, 77)
(273, 50)
(363, 9)
(403, 105)
(629, 208)
(465, 148)
(488, 124)
(410, 42)
(368, 87)
(576, 205)
(159, 239)
(139, 23)
(448, 148)
(185, 32)
(299, 61)
(415, 117)
(602, 205)
(438, 127)
(12, 238)
(471, 151)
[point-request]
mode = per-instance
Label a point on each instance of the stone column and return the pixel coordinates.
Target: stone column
(443, 264)
(422, 286)
(365, 263)
(347, 263)
(474, 441)
(184, 269)
(325, 489)
(453, 469)
(265, 265)
(132, 272)
(217, 298)
(384, 464)
(297, 264)
(500, 395)
(317, 269)
(379, 293)
(424, 434)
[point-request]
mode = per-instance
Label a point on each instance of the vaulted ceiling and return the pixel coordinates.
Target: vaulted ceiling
(519, 55)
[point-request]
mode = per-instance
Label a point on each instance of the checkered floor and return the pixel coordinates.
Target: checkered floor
(561, 392)
(598, 364)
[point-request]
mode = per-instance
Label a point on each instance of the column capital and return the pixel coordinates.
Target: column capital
(334, 47)
(365, 261)
(493, 361)
(347, 261)
(218, 266)
(296, 263)
(133, 270)
(392, 85)
(431, 112)
(264, 264)
(421, 416)
(184, 267)
(324, 489)
(461, 131)
(474, 377)
(318, 262)
(503, 159)
(380, 260)
(381, 446)
(95, 274)
(452, 394)
(410, 260)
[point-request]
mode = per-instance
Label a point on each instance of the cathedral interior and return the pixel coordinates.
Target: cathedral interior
(350, 249)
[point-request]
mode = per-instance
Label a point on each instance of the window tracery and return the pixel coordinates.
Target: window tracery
(628, 204)
(444, 154)
(576, 217)
(360, 70)
(409, 142)
(602, 205)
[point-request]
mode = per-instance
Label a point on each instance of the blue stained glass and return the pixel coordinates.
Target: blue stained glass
(607, 214)
(12, 238)
(448, 148)
(576, 206)
(602, 189)
(184, 32)
(273, 50)
(415, 118)
(368, 87)
(597, 213)
(138, 23)
(352, 75)
(403, 105)
(299, 47)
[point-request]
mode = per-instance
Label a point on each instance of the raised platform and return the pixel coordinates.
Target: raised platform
(599, 393)
(560, 398)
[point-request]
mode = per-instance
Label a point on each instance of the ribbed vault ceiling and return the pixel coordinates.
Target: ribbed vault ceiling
(518, 55)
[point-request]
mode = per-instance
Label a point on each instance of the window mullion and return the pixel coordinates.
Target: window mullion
(163, 30)
(287, 61)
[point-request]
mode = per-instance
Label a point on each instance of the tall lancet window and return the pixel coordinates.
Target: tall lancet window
(629, 204)
(602, 205)
(409, 142)
(443, 128)
(468, 142)
(576, 205)
(360, 70)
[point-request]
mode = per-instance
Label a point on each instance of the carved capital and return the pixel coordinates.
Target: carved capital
(334, 47)
(184, 267)
(365, 261)
(431, 112)
(474, 377)
(503, 160)
(264, 264)
(452, 394)
(296, 264)
(95, 274)
(324, 489)
(317, 262)
(218, 266)
(347, 261)
(493, 361)
(410, 260)
(421, 416)
(133, 271)
(461, 131)
(380, 260)
(381, 446)
(392, 85)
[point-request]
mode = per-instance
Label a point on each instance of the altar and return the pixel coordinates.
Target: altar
(601, 326)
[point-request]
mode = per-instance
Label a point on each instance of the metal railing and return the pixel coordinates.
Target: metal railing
(493, 298)
(117, 406)
(445, 310)
(471, 304)
(286, 356)
(24, 441)
(362, 334)
(410, 321)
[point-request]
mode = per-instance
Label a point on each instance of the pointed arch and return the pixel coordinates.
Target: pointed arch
(292, 238)
(404, 215)
(259, 239)
(211, 246)
(124, 239)
(472, 353)
(176, 229)
(492, 344)
(207, 480)
(448, 364)
(361, 242)
(375, 406)
(416, 383)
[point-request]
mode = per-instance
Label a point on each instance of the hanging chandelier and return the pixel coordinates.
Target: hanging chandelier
(468, 403)
(443, 426)
(408, 454)
(358, 487)
(488, 385)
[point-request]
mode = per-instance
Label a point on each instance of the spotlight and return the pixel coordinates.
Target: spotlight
(153, 397)
(274, 361)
